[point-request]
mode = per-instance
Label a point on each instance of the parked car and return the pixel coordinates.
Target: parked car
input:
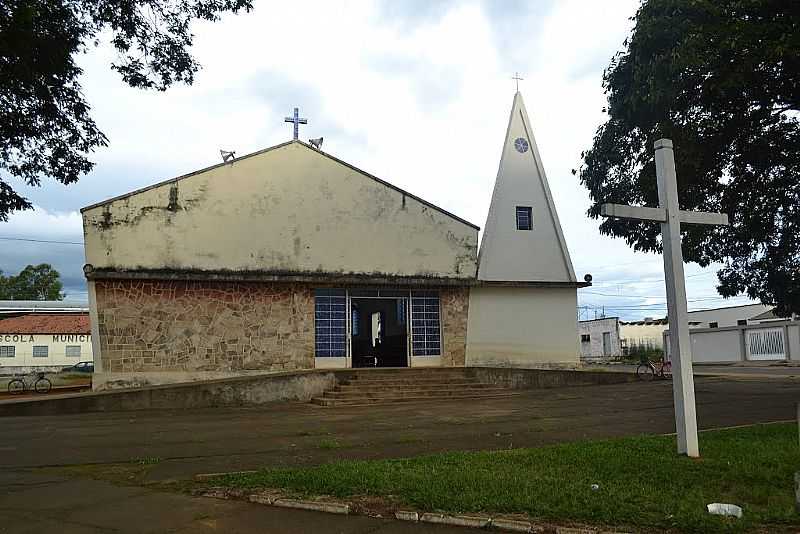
(80, 367)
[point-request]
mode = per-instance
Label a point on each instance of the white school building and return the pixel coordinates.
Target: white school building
(44, 341)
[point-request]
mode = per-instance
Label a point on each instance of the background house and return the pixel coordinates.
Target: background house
(42, 336)
(733, 334)
(600, 339)
(728, 316)
(647, 334)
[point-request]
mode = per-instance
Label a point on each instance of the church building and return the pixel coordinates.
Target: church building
(289, 259)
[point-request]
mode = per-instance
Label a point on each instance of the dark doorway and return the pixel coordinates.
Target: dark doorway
(379, 330)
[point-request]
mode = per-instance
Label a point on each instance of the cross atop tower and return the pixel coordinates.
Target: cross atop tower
(297, 122)
(517, 78)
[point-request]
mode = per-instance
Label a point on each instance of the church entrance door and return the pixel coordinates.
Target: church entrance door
(379, 331)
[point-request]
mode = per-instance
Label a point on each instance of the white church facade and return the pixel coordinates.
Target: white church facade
(290, 258)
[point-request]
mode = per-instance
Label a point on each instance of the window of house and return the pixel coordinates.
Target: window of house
(524, 218)
(7, 351)
(584, 338)
(426, 337)
(330, 322)
(713, 325)
(40, 351)
(742, 322)
(73, 351)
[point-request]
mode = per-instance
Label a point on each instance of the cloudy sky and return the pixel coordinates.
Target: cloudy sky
(416, 92)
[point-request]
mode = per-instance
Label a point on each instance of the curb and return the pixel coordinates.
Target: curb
(479, 522)
(262, 498)
(456, 520)
(316, 506)
(512, 525)
(406, 516)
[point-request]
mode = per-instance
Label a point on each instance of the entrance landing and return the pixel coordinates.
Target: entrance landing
(390, 386)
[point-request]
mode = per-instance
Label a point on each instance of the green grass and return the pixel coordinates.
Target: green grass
(643, 482)
(329, 443)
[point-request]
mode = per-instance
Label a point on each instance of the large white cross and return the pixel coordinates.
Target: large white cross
(671, 216)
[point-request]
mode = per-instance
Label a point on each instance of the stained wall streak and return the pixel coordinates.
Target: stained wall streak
(288, 209)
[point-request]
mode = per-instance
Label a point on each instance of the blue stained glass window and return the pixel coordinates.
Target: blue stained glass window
(330, 322)
(401, 311)
(355, 316)
(426, 338)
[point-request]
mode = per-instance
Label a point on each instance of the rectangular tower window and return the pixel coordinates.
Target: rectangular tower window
(330, 322)
(524, 218)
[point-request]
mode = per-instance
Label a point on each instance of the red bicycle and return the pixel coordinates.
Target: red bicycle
(649, 370)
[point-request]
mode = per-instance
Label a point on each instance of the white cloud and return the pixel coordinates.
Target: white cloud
(40, 223)
(419, 97)
(28, 228)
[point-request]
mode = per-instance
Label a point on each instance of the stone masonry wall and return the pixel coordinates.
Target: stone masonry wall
(455, 306)
(204, 326)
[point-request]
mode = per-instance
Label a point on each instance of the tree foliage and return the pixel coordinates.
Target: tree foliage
(45, 125)
(34, 282)
(721, 78)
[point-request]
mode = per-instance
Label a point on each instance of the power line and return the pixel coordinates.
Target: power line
(622, 296)
(660, 297)
(41, 241)
(649, 281)
(620, 264)
(656, 304)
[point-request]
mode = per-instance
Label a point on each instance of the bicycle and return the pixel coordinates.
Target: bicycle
(17, 385)
(649, 370)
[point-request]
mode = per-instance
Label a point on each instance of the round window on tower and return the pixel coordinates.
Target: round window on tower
(521, 144)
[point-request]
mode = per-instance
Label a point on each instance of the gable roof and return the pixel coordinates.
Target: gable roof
(46, 323)
(720, 308)
(769, 314)
(281, 145)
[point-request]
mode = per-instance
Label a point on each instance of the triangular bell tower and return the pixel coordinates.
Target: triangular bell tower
(522, 239)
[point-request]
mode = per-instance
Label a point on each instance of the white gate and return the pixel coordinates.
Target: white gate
(766, 344)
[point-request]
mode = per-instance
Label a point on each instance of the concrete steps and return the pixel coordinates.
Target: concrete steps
(429, 386)
(389, 386)
(413, 392)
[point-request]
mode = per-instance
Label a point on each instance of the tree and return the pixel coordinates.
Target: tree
(34, 282)
(45, 126)
(721, 78)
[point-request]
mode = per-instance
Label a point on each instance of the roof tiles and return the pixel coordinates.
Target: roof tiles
(46, 323)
